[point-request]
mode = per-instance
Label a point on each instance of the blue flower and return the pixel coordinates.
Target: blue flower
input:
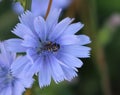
(39, 7)
(42, 6)
(10, 81)
(18, 8)
(52, 46)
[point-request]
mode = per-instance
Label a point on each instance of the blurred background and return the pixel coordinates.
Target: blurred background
(100, 74)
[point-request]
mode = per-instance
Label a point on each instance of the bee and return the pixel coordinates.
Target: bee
(54, 47)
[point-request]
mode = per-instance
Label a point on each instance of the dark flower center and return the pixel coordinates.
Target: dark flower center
(52, 47)
(48, 47)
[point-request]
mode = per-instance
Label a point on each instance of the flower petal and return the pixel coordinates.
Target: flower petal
(40, 28)
(39, 7)
(17, 8)
(52, 19)
(27, 19)
(76, 50)
(6, 90)
(19, 65)
(44, 72)
(30, 41)
(18, 88)
(69, 73)
(74, 28)
(68, 40)
(32, 54)
(5, 56)
(59, 28)
(14, 45)
(56, 70)
(61, 3)
(21, 30)
(35, 67)
(84, 39)
(70, 60)
(27, 81)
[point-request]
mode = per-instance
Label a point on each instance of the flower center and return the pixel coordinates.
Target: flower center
(52, 47)
(48, 47)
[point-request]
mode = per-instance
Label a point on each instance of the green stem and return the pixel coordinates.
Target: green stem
(28, 4)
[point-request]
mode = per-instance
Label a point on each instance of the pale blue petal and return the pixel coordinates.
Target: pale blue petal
(84, 39)
(40, 28)
(56, 70)
(18, 8)
(14, 45)
(27, 19)
(76, 50)
(74, 28)
(35, 67)
(6, 90)
(32, 54)
(19, 65)
(2, 73)
(59, 29)
(18, 88)
(6, 57)
(44, 72)
(68, 40)
(25, 71)
(27, 81)
(39, 7)
(69, 73)
(30, 41)
(2, 81)
(70, 60)
(61, 3)
(21, 30)
(52, 19)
